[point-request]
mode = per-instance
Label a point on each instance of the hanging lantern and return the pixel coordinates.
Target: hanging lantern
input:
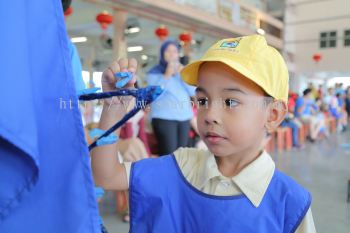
(317, 57)
(185, 37)
(104, 19)
(161, 32)
(68, 12)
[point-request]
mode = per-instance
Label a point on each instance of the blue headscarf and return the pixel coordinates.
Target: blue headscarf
(161, 67)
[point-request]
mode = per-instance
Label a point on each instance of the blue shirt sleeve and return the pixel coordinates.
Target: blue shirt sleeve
(76, 67)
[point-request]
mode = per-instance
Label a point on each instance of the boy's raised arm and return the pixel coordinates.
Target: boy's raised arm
(107, 171)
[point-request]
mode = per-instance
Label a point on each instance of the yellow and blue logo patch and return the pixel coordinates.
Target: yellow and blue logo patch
(230, 44)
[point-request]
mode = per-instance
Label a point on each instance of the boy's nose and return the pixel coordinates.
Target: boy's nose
(211, 121)
(212, 115)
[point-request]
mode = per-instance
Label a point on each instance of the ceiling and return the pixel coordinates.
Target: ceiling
(82, 23)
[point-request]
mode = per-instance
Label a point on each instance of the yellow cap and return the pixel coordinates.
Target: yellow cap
(250, 56)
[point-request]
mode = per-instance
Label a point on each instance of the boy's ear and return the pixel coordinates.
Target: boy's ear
(276, 113)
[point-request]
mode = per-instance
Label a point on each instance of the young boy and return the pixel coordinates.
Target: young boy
(242, 90)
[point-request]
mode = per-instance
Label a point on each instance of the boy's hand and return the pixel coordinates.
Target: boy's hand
(109, 81)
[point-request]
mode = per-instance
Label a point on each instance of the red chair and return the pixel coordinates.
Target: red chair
(270, 146)
(289, 138)
(302, 136)
(333, 125)
(280, 138)
(306, 128)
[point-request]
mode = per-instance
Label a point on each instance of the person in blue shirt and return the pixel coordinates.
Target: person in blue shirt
(347, 101)
(172, 111)
(339, 89)
(342, 113)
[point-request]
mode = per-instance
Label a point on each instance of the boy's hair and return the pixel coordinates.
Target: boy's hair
(250, 56)
(306, 91)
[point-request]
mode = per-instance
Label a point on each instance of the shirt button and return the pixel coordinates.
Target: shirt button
(225, 184)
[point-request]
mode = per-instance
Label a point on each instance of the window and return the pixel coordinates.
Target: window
(347, 38)
(328, 39)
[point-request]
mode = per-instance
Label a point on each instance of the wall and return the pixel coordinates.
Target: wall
(304, 20)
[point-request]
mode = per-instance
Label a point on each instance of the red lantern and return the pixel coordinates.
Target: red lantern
(161, 32)
(317, 57)
(104, 19)
(185, 37)
(68, 12)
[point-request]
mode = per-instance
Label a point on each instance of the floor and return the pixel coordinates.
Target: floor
(323, 168)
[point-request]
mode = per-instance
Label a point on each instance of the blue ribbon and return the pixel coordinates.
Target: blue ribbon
(99, 192)
(144, 96)
(124, 78)
(88, 91)
(110, 139)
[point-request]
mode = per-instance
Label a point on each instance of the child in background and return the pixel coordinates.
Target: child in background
(242, 90)
(320, 110)
(337, 111)
(305, 112)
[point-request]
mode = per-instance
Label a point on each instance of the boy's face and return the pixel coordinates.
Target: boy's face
(232, 110)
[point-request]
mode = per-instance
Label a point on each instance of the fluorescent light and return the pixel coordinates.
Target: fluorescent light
(260, 31)
(144, 57)
(79, 39)
(132, 30)
(135, 48)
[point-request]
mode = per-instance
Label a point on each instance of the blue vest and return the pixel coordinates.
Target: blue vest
(163, 201)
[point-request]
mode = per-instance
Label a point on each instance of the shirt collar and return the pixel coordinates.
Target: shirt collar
(209, 170)
(253, 180)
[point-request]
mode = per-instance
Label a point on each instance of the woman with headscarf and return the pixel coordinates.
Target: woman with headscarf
(172, 111)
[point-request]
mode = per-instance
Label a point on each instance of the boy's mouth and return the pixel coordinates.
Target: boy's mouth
(213, 138)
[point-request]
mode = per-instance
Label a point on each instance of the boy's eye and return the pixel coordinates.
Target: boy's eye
(231, 103)
(202, 101)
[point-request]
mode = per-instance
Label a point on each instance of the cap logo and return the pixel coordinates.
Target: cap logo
(230, 44)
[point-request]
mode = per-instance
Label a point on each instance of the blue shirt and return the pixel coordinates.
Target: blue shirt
(340, 102)
(307, 109)
(298, 104)
(340, 91)
(174, 103)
